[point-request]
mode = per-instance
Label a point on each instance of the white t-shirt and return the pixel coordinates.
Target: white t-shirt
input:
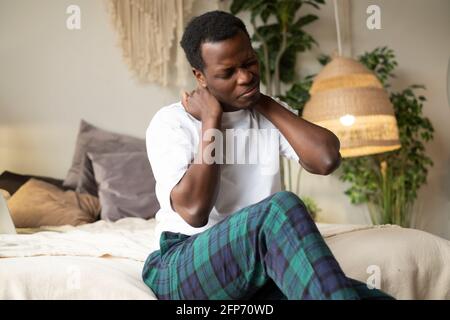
(247, 175)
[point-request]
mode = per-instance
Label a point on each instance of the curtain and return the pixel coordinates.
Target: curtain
(149, 35)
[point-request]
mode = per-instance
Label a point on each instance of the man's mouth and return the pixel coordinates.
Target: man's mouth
(250, 92)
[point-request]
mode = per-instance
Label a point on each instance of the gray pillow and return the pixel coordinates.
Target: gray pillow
(86, 182)
(126, 186)
(93, 139)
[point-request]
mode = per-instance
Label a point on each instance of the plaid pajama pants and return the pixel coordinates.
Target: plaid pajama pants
(269, 250)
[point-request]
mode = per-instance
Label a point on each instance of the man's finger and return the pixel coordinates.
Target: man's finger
(184, 99)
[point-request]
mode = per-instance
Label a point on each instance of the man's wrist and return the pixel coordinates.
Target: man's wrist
(212, 121)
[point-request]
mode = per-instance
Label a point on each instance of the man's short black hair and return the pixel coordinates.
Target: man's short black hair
(211, 26)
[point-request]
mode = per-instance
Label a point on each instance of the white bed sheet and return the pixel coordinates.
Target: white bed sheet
(104, 260)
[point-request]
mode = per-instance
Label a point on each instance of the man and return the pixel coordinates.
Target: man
(226, 230)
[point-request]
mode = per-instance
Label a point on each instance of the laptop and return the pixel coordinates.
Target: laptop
(6, 222)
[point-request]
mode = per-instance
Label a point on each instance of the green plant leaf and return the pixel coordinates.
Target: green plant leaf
(305, 20)
(266, 13)
(237, 6)
(323, 59)
(313, 3)
(297, 96)
(382, 62)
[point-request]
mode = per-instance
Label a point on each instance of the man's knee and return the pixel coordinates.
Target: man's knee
(286, 195)
(283, 201)
(279, 207)
(287, 199)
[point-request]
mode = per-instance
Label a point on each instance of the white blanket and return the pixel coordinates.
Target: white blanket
(104, 260)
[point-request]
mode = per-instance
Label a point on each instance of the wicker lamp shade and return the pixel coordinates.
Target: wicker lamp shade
(349, 100)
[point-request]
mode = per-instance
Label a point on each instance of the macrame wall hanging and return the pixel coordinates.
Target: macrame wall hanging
(149, 35)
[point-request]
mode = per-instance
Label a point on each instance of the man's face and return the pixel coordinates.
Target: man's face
(231, 72)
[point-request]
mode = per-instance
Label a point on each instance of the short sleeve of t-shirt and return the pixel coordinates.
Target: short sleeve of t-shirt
(170, 150)
(286, 149)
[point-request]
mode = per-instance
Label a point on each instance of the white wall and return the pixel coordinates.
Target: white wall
(51, 77)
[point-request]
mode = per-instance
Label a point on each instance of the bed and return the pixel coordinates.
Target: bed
(103, 260)
(87, 256)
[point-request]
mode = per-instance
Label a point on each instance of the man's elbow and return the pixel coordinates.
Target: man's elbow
(193, 212)
(323, 165)
(198, 223)
(195, 217)
(332, 157)
(330, 164)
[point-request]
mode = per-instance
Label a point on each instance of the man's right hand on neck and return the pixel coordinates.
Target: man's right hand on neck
(202, 105)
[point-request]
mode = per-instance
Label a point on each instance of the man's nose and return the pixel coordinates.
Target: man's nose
(244, 76)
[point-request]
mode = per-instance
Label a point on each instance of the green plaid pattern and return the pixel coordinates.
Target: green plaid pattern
(269, 250)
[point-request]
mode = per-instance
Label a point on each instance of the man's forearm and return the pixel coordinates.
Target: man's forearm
(194, 196)
(317, 147)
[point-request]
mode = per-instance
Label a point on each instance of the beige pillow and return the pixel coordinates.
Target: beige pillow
(38, 203)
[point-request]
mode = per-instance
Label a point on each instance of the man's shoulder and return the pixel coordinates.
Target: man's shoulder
(174, 110)
(172, 115)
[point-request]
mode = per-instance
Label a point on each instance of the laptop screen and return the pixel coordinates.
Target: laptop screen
(6, 222)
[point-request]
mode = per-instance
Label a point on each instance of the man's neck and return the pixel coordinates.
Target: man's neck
(228, 108)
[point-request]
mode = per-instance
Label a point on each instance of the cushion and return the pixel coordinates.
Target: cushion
(86, 182)
(5, 194)
(93, 139)
(11, 181)
(38, 203)
(126, 185)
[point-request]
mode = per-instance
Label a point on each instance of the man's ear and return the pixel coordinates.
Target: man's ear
(199, 76)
